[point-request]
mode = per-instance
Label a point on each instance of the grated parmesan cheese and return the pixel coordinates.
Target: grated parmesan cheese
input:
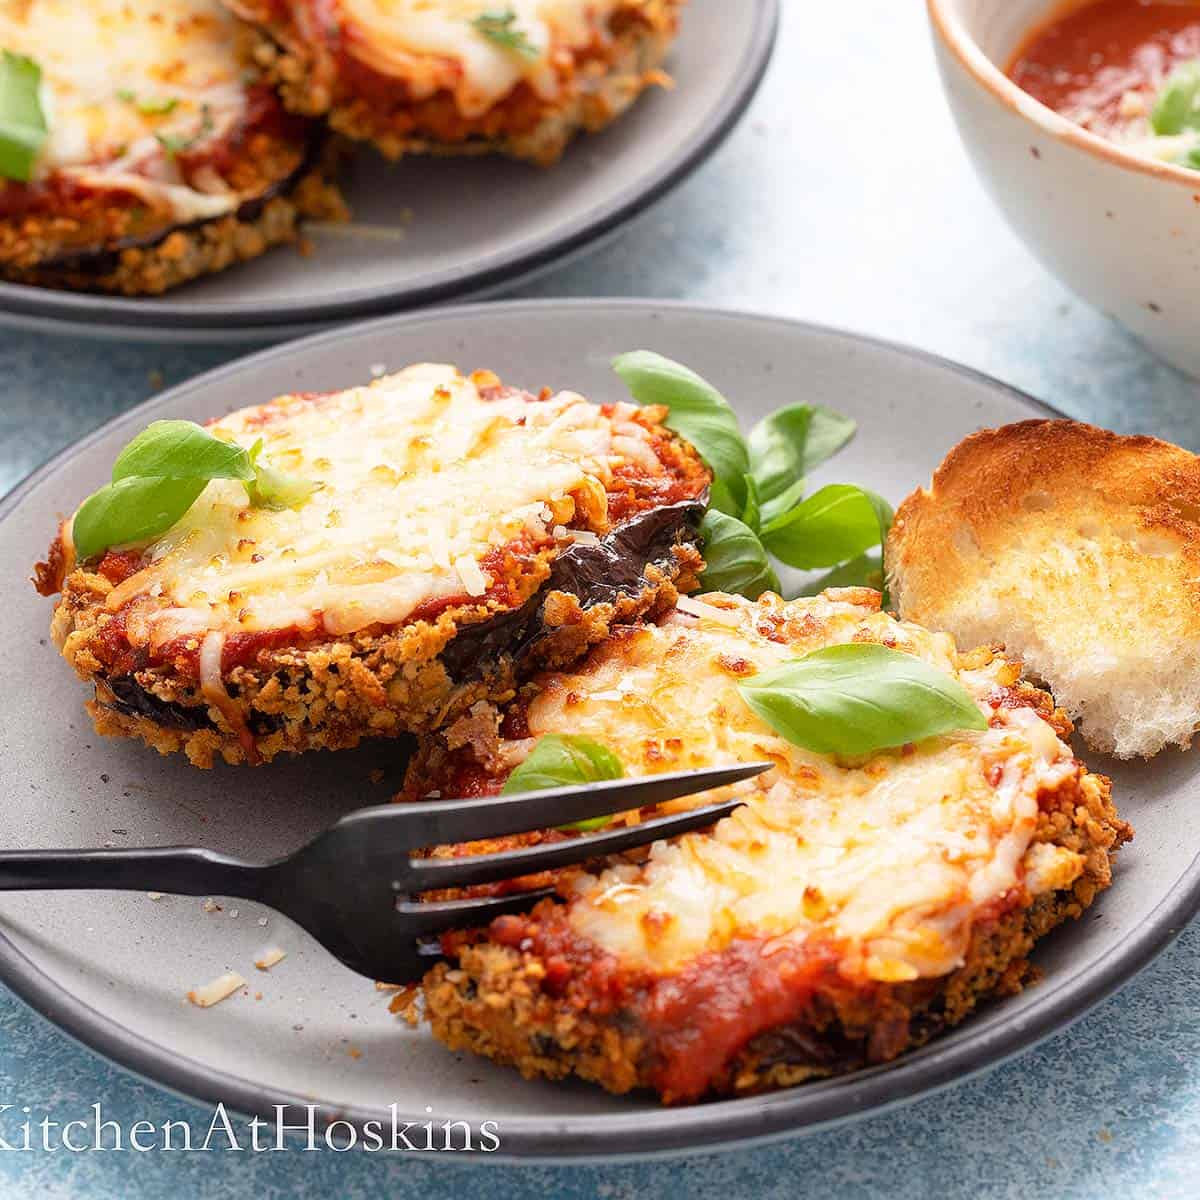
(888, 858)
(421, 476)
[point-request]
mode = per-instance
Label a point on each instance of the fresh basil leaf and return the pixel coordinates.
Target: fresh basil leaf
(697, 412)
(828, 433)
(181, 450)
(734, 558)
(562, 760)
(837, 523)
(278, 490)
(130, 510)
(1177, 108)
(772, 510)
(859, 697)
(791, 442)
(864, 571)
(23, 128)
(1190, 158)
(751, 515)
(500, 28)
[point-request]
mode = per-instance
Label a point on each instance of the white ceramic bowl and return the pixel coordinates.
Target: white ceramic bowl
(1121, 230)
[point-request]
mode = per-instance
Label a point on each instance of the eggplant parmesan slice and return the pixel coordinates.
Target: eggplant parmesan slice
(463, 535)
(164, 158)
(463, 76)
(850, 910)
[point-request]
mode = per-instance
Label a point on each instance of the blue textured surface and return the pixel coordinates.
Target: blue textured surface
(845, 198)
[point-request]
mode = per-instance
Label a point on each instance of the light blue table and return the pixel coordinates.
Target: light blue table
(845, 198)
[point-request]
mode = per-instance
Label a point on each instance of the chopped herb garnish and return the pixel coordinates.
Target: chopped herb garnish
(150, 106)
(23, 128)
(757, 505)
(174, 144)
(501, 27)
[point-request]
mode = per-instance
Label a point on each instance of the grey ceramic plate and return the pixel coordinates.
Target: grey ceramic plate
(113, 969)
(465, 226)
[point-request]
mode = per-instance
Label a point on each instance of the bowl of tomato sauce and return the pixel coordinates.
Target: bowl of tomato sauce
(1083, 120)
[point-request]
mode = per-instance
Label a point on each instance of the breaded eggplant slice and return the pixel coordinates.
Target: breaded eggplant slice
(163, 161)
(464, 534)
(850, 910)
(463, 76)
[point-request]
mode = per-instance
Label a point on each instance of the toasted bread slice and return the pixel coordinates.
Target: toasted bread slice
(1079, 550)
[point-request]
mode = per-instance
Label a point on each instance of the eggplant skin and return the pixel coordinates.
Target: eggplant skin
(417, 678)
(123, 694)
(597, 575)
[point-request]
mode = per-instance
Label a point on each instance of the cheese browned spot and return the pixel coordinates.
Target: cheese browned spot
(421, 477)
(889, 858)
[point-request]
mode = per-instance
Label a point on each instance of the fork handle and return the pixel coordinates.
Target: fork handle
(183, 870)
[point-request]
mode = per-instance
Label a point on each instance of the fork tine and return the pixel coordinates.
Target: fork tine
(423, 920)
(438, 822)
(433, 873)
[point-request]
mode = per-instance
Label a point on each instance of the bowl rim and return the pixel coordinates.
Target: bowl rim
(950, 30)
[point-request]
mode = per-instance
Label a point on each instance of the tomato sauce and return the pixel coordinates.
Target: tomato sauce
(694, 1021)
(1102, 64)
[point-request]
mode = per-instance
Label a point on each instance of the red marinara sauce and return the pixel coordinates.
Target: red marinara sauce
(1089, 58)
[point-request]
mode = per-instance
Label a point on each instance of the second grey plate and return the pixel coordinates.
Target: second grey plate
(440, 229)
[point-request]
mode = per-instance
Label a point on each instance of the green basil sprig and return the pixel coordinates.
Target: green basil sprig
(758, 506)
(860, 697)
(1177, 108)
(563, 760)
(160, 474)
(23, 127)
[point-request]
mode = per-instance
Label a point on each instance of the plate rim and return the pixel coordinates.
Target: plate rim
(667, 1132)
(110, 316)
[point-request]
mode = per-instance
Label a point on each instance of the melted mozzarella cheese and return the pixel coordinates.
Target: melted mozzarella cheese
(420, 477)
(391, 33)
(888, 858)
(104, 64)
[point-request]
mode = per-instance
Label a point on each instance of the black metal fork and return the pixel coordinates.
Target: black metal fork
(355, 887)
